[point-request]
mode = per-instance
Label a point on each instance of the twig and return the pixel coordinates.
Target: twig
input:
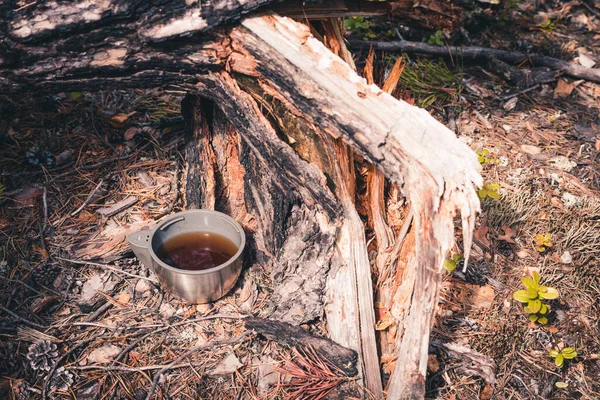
(109, 267)
(89, 199)
(42, 241)
(154, 332)
(92, 317)
(134, 369)
(26, 321)
(590, 9)
(45, 201)
(510, 96)
(477, 52)
(189, 353)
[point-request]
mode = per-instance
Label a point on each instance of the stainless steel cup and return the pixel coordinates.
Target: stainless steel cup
(202, 286)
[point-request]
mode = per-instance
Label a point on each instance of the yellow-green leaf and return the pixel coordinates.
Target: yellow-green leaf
(553, 353)
(534, 305)
(568, 353)
(550, 294)
(493, 195)
(532, 293)
(482, 194)
(521, 296)
(536, 277)
(449, 265)
(539, 238)
(542, 320)
(543, 309)
(532, 317)
(559, 360)
(541, 249)
(75, 95)
(528, 282)
(561, 385)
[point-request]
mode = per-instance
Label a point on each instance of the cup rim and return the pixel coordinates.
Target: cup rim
(233, 258)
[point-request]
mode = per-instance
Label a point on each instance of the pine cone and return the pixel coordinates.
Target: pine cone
(42, 355)
(45, 275)
(62, 380)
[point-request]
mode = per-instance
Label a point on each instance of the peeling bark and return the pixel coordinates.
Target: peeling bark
(285, 176)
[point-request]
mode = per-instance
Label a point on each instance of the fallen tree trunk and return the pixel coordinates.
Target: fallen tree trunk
(285, 175)
(475, 52)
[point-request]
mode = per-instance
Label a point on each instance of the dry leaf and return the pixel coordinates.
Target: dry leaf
(25, 195)
(511, 104)
(585, 61)
(432, 363)
(91, 287)
(597, 145)
(117, 120)
(509, 233)
(481, 235)
(130, 133)
(529, 149)
(551, 329)
(563, 89)
(487, 392)
(483, 297)
(226, 366)
(63, 157)
(103, 354)
(124, 298)
(556, 202)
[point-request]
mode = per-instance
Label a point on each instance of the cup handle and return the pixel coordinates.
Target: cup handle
(140, 244)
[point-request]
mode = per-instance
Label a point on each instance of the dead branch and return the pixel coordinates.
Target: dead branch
(294, 336)
(477, 53)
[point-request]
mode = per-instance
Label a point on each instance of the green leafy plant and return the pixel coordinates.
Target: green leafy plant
(451, 263)
(548, 26)
(533, 296)
(482, 157)
(542, 242)
(437, 39)
(489, 190)
(360, 26)
(560, 356)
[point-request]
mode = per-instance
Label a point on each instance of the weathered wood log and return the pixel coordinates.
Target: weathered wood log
(294, 336)
(287, 186)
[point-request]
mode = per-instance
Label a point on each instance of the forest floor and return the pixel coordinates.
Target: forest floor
(67, 159)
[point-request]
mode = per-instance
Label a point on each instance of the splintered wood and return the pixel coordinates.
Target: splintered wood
(406, 144)
(275, 123)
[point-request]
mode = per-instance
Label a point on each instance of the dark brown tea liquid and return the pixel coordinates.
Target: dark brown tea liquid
(196, 251)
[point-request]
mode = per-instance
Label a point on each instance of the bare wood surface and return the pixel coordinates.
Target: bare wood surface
(476, 52)
(294, 336)
(399, 139)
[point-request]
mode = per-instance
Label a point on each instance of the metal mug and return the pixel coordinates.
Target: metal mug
(202, 286)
